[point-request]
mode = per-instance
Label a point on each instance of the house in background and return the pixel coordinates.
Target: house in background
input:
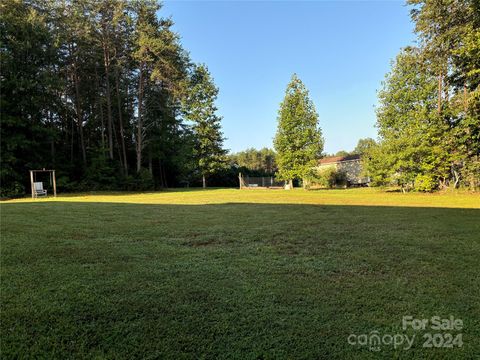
(351, 165)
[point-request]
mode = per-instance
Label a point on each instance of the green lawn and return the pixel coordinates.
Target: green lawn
(252, 274)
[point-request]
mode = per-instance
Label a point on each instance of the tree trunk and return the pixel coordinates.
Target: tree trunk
(457, 179)
(150, 164)
(120, 121)
(71, 140)
(442, 183)
(117, 142)
(204, 182)
(140, 120)
(439, 106)
(305, 184)
(52, 140)
(100, 108)
(78, 109)
(164, 174)
(106, 61)
(161, 179)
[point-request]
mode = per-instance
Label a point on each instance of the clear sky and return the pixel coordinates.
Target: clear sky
(341, 50)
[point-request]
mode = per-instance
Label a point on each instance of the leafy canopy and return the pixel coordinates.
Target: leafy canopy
(298, 142)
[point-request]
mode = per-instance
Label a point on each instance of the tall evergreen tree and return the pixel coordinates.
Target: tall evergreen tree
(29, 85)
(200, 110)
(298, 142)
(93, 89)
(160, 65)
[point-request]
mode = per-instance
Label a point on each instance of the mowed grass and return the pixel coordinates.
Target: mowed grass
(252, 274)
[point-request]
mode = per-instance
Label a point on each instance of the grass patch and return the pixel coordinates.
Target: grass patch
(235, 274)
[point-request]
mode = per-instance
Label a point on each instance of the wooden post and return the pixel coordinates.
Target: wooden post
(54, 185)
(31, 184)
(240, 180)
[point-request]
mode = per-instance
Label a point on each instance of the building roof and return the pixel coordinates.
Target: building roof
(337, 159)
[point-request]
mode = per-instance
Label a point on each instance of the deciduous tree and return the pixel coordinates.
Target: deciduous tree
(298, 141)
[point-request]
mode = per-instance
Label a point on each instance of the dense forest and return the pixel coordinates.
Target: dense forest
(103, 92)
(429, 106)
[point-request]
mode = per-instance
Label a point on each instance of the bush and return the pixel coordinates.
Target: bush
(328, 177)
(340, 178)
(141, 181)
(64, 184)
(101, 174)
(15, 189)
(426, 183)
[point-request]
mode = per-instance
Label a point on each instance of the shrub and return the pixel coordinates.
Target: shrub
(140, 181)
(15, 189)
(425, 182)
(328, 177)
(101, 174)
(340, 178)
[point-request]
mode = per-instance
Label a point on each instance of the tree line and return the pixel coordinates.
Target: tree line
(103, 92)
(428, 117)
(362, 147)
(255, 162)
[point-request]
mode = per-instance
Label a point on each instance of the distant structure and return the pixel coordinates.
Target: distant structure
(351, 165)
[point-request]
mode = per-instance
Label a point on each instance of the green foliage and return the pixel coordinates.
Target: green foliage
(200, 110)
(341, 178)
(426, 182)
(298, 141)
(342, 153)
(417, 142)
(101, 174)
(327, 177)
(260, 162)
(364, 146)
(12, 190)
(406, 111)
(429, 114)
(140, 181)
(27, 88)
(64, 184)
(87, 81)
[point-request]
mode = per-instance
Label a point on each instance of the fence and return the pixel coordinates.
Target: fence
(257, 182)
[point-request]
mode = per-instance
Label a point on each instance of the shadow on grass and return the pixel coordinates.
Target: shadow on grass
(119, 280)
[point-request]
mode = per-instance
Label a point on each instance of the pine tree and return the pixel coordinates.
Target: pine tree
(298, 142)
(28, 88)
(200, 109)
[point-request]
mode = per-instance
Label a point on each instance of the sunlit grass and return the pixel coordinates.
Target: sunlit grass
(361, 196)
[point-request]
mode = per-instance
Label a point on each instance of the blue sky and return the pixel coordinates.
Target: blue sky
(340, 49)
